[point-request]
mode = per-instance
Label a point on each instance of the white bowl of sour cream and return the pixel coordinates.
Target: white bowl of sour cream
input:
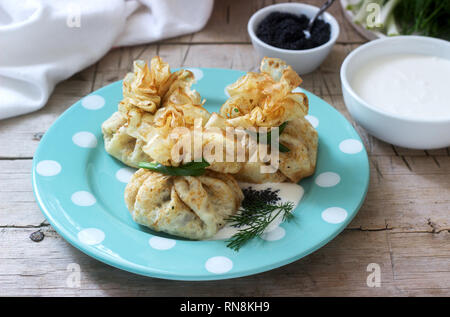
(398, 89)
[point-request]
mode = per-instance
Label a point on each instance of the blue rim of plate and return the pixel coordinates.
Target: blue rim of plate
(79, 189)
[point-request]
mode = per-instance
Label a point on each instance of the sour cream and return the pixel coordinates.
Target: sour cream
(411, 85)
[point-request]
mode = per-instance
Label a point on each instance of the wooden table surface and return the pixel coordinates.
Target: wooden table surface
(403, 226)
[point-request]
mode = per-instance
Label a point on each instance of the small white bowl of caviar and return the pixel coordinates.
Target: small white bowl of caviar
(278, 31)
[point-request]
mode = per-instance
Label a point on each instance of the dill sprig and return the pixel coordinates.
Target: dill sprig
(256, 215)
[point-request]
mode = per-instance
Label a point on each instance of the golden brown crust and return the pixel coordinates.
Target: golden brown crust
(266, 100)
(155, 101)
(185, 206)
(300, 162)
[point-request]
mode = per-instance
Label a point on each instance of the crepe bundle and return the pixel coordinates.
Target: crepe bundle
(183, 144)
(266, 99)
(185, 206)
(155, 101)
(300, 162)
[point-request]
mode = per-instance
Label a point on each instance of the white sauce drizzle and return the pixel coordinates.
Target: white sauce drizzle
(288, 192)
(412, 85)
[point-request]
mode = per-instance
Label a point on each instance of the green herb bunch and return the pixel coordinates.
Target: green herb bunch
(255, 215)
(188, 169)
(425, 17)
(406, 17)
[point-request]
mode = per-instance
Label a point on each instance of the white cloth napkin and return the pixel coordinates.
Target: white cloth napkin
(43, 42)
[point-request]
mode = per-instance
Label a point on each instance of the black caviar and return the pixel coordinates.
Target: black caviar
(254, 198)
(285, 30)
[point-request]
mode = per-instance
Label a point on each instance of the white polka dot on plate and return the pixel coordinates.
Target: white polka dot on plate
(159, 243)
(198, 73)
(334, 215)
(351, 146)
(83, 199)
(298, 89)
(85, 139)
(327, 179)
(93, 102)
(91, 236)
(218, 264)
(124, 174)
(313, 120)
(48, 168)
(276, 234)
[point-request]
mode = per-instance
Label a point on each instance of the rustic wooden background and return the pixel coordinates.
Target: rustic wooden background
(404, 225)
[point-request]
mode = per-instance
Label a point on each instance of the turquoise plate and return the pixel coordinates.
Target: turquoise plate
(80, 188)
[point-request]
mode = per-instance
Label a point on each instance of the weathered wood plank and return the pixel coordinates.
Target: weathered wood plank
(410, 263)
(29, 268)
(18, 207)
(406, 203)
(421, 262)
